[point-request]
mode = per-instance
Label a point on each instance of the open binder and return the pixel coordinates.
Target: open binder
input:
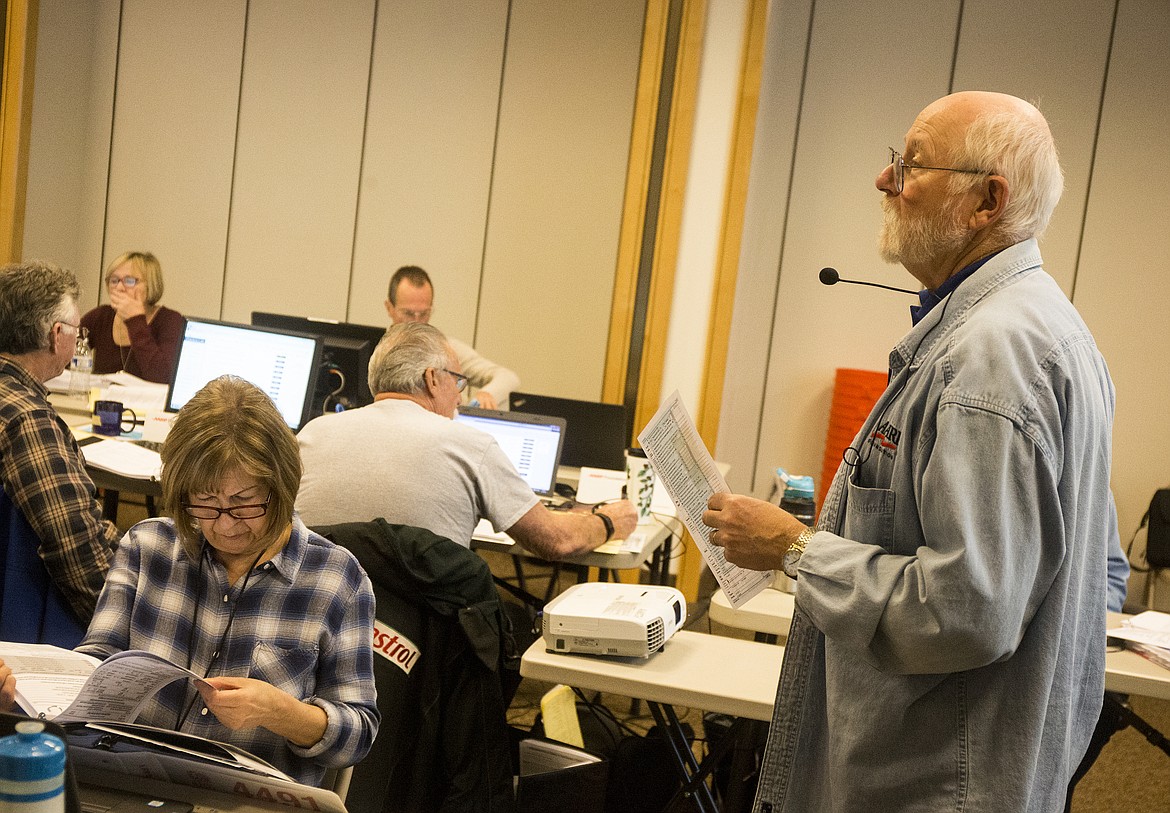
(121, 755)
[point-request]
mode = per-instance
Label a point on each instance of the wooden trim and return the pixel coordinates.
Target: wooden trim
(625, 285)
(669, 227)
(727, 267)
(20, 57)
(731, 236)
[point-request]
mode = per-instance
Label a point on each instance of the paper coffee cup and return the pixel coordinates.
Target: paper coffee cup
(639, 483)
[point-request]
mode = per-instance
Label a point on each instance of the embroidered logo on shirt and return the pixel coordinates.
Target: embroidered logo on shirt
(885, 438)
(395, 647)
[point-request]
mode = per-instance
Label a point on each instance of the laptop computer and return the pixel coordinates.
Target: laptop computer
(596, 434)
(532, 442)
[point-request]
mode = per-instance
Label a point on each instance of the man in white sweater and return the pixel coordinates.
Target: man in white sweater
(411, 298)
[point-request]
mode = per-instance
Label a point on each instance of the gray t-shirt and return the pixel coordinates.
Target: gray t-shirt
(397, 460)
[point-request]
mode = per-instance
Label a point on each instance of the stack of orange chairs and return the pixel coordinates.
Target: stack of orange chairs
(854, 394)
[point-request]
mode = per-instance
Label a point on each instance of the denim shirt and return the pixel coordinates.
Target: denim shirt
(948, 647)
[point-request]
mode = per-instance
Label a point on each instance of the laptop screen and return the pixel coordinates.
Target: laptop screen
(531, 442)
(596, 434)
(284, 365)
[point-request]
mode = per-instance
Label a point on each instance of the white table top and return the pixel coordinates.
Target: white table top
(649, 538)
(771, 612)
(696, 670)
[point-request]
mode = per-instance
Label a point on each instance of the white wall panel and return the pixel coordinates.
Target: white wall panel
(430, 135)
(763, 238)
(860, 96)
(564, 133)
(298, 157)
(1123, 285)
(171, 162)
(1072, 49)
(73, 96)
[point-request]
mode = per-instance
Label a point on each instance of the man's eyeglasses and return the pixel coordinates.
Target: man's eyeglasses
(414, 316)
(460, 378)
(70, 325)
(129, 282)
(235, 512)
(900, 166)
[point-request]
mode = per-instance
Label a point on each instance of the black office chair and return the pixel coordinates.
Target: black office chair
(33, 610)
(439, 666)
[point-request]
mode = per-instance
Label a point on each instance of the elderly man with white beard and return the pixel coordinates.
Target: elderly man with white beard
(947, 649)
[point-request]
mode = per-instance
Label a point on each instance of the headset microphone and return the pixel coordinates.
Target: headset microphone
(829, 276)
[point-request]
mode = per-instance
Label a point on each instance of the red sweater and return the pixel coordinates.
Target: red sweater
(151, 354)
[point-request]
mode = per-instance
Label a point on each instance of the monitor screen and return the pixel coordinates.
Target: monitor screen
(347, 350)
(282, 364)
(531, 442)
(596, 434)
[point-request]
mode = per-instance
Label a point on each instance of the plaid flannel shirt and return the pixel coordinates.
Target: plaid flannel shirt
(304, 622)
(43, 473)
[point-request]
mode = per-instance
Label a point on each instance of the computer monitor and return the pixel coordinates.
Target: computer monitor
(596, 434)
(281, 363)
(347, 351)
(531, 442)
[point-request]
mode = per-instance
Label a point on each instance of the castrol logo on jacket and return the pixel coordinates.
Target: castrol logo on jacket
(395, 647)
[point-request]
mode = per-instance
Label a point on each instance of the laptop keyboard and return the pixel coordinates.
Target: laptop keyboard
(153, 445)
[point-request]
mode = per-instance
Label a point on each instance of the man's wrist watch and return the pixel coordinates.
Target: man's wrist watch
(607, 522)
(795, 551)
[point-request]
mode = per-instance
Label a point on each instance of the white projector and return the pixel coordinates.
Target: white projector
(604, 618)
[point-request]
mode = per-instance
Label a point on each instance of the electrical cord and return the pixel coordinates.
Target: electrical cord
(336, 391)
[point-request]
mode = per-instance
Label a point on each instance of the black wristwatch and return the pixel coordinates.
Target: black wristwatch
(605, 520)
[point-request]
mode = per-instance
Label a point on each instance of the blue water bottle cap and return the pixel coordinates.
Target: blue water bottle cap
(798, 486)
(30, 755)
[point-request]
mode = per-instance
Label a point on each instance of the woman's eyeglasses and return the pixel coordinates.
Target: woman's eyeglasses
(235, 512)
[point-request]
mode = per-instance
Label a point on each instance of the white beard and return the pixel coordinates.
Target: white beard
(918, 242)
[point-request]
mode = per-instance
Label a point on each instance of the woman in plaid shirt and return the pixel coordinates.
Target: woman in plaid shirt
(232, 585)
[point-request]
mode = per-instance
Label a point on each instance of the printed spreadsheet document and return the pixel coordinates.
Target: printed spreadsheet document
(676, 451)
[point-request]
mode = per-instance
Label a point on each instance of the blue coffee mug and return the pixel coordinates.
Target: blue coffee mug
(109, 418)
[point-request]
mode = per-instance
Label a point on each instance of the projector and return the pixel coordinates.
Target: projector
(604, 618)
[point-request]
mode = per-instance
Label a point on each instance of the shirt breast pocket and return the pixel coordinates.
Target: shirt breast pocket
(292, 669)
(869, 516)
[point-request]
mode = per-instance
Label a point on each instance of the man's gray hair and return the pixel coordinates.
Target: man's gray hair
(401, 359)
(33, 296)
(1022, 150)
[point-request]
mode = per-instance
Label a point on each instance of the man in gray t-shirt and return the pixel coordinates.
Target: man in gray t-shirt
(404, 459)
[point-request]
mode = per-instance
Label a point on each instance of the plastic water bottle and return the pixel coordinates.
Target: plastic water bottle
(82, 365)
(797, 496)
(32, 770)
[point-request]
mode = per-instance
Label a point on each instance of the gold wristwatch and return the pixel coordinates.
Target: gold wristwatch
(794, 552)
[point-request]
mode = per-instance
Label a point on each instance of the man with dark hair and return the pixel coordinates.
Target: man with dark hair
(54, 544)
(411, 299)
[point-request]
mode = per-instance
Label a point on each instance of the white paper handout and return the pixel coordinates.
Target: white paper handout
(689, 474)
(1150, 627)
(123, 458)
(140, 395)
(64, 685)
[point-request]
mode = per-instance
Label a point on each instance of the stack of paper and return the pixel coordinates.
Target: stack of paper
(124, 458)
(1148, 634)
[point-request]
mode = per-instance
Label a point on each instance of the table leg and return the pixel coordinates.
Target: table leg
(746, 734)
(693, 777)
(110, 504)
